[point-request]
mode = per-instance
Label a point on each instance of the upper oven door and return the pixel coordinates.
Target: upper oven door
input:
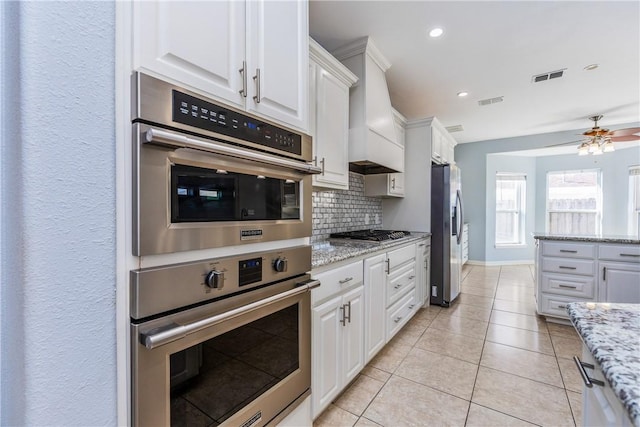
(192, 193)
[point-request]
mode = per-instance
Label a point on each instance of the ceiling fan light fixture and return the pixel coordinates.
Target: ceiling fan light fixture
(608, 147)
(583, 149)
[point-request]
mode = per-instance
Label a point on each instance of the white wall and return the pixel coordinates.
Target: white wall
(57, 192)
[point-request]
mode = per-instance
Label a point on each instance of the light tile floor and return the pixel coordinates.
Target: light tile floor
(487, 360)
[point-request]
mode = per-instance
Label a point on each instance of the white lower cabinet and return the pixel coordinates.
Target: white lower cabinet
(337, 320)
(374, 302)
(423, 264)
(569, 271)
(600, 406)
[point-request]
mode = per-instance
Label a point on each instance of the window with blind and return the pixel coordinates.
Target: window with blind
(510, 208)
(574, 202)
(634, 201)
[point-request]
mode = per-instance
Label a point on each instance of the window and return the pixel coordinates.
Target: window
(574, 202)
(634, 201)
(510, 208)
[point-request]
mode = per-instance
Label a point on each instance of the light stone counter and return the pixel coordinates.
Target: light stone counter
(335, 250)
(598, 239)
(611, 332)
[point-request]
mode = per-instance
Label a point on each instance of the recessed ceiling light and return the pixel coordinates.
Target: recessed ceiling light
(436, 32)
(463, 94)
(591, 67)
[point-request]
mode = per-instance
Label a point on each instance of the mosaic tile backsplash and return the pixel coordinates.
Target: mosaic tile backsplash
(335, 211)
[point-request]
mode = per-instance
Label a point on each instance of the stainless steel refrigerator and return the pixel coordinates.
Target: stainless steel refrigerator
(446, 234)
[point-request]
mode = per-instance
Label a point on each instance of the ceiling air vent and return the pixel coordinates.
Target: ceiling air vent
(548, 76)
(455, 128)
(490, 101)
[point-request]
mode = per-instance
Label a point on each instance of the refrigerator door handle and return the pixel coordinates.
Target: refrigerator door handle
(459, 215)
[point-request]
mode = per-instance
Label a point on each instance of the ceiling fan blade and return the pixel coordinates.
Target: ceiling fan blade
(565, 143)
(625, 138)
(624, 132)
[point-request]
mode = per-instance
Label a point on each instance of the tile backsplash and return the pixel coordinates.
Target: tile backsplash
(335, 211)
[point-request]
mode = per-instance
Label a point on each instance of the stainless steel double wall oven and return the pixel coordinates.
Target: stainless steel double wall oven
(223, 341)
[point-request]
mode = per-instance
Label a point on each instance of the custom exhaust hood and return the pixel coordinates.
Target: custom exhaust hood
(373, 144)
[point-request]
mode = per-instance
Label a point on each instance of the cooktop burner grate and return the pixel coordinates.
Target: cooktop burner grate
(371, 235)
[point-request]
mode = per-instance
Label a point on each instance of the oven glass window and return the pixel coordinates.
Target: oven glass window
(212, 381)
(204, 195)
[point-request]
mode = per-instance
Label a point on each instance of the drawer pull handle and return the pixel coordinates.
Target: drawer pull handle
(397, 319)
(344, 315)
(388, 261)
(412, 277)
(568, 286)
(588, 382)
(411, 306)
(566, 268)
(568, 251)
(631, 255)
(398, 286)
(562, 306)
(421, 244)
(348, 316)
(343, 281)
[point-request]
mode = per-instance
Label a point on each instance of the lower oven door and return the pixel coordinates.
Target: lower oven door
(247, 366)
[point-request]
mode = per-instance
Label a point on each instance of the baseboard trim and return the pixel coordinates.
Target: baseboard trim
(499, 263)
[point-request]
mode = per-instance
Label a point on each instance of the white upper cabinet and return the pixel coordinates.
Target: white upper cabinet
(442, 144)
(252, 55)
(329, 85)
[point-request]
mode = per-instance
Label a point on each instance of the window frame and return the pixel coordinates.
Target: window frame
(599, 201)
(520, 210)
(633, 206)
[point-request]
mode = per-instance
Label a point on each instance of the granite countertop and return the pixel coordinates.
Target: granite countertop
(612, 333)
(602, 238)
(334, 250)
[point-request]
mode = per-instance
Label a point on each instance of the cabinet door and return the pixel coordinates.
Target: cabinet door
(619, 282)
(396, 184)
(427, 279)
(199, 44)
(374, 322)
(353, 334)
(331, 131)
(277, 60)
(436, 145)
(326, 353)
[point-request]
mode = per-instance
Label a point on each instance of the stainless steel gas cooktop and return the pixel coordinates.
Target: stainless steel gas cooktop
(371, 235)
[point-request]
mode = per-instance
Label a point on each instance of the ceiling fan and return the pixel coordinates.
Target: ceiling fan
(599, 140)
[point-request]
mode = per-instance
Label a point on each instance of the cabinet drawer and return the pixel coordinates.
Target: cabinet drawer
(400, 256)
(569, 250)
(624, 253)
(581, 287)
(334, 281)
(569, 266)
(556, 305)
(400, 313)
(399, 281)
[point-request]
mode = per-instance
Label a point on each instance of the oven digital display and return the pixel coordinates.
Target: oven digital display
(249, 271)
(192, 111)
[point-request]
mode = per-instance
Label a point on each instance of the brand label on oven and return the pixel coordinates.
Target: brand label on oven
(251, 234)
(253, 420)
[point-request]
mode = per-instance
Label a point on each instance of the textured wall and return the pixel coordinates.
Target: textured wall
(58, 225)
(338, 210)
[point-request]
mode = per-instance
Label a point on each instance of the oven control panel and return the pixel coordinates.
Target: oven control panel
(202, 114)
(156, 290)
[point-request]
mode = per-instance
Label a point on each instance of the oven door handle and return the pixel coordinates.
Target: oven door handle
(163, 137)
(165, 335)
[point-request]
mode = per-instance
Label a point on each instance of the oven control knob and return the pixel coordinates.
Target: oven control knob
(214, 279)
(280, 265)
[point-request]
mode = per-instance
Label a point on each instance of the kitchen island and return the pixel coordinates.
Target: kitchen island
(583, 269)
(611, 338)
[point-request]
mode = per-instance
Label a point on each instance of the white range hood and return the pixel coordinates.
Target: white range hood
(373, 144)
